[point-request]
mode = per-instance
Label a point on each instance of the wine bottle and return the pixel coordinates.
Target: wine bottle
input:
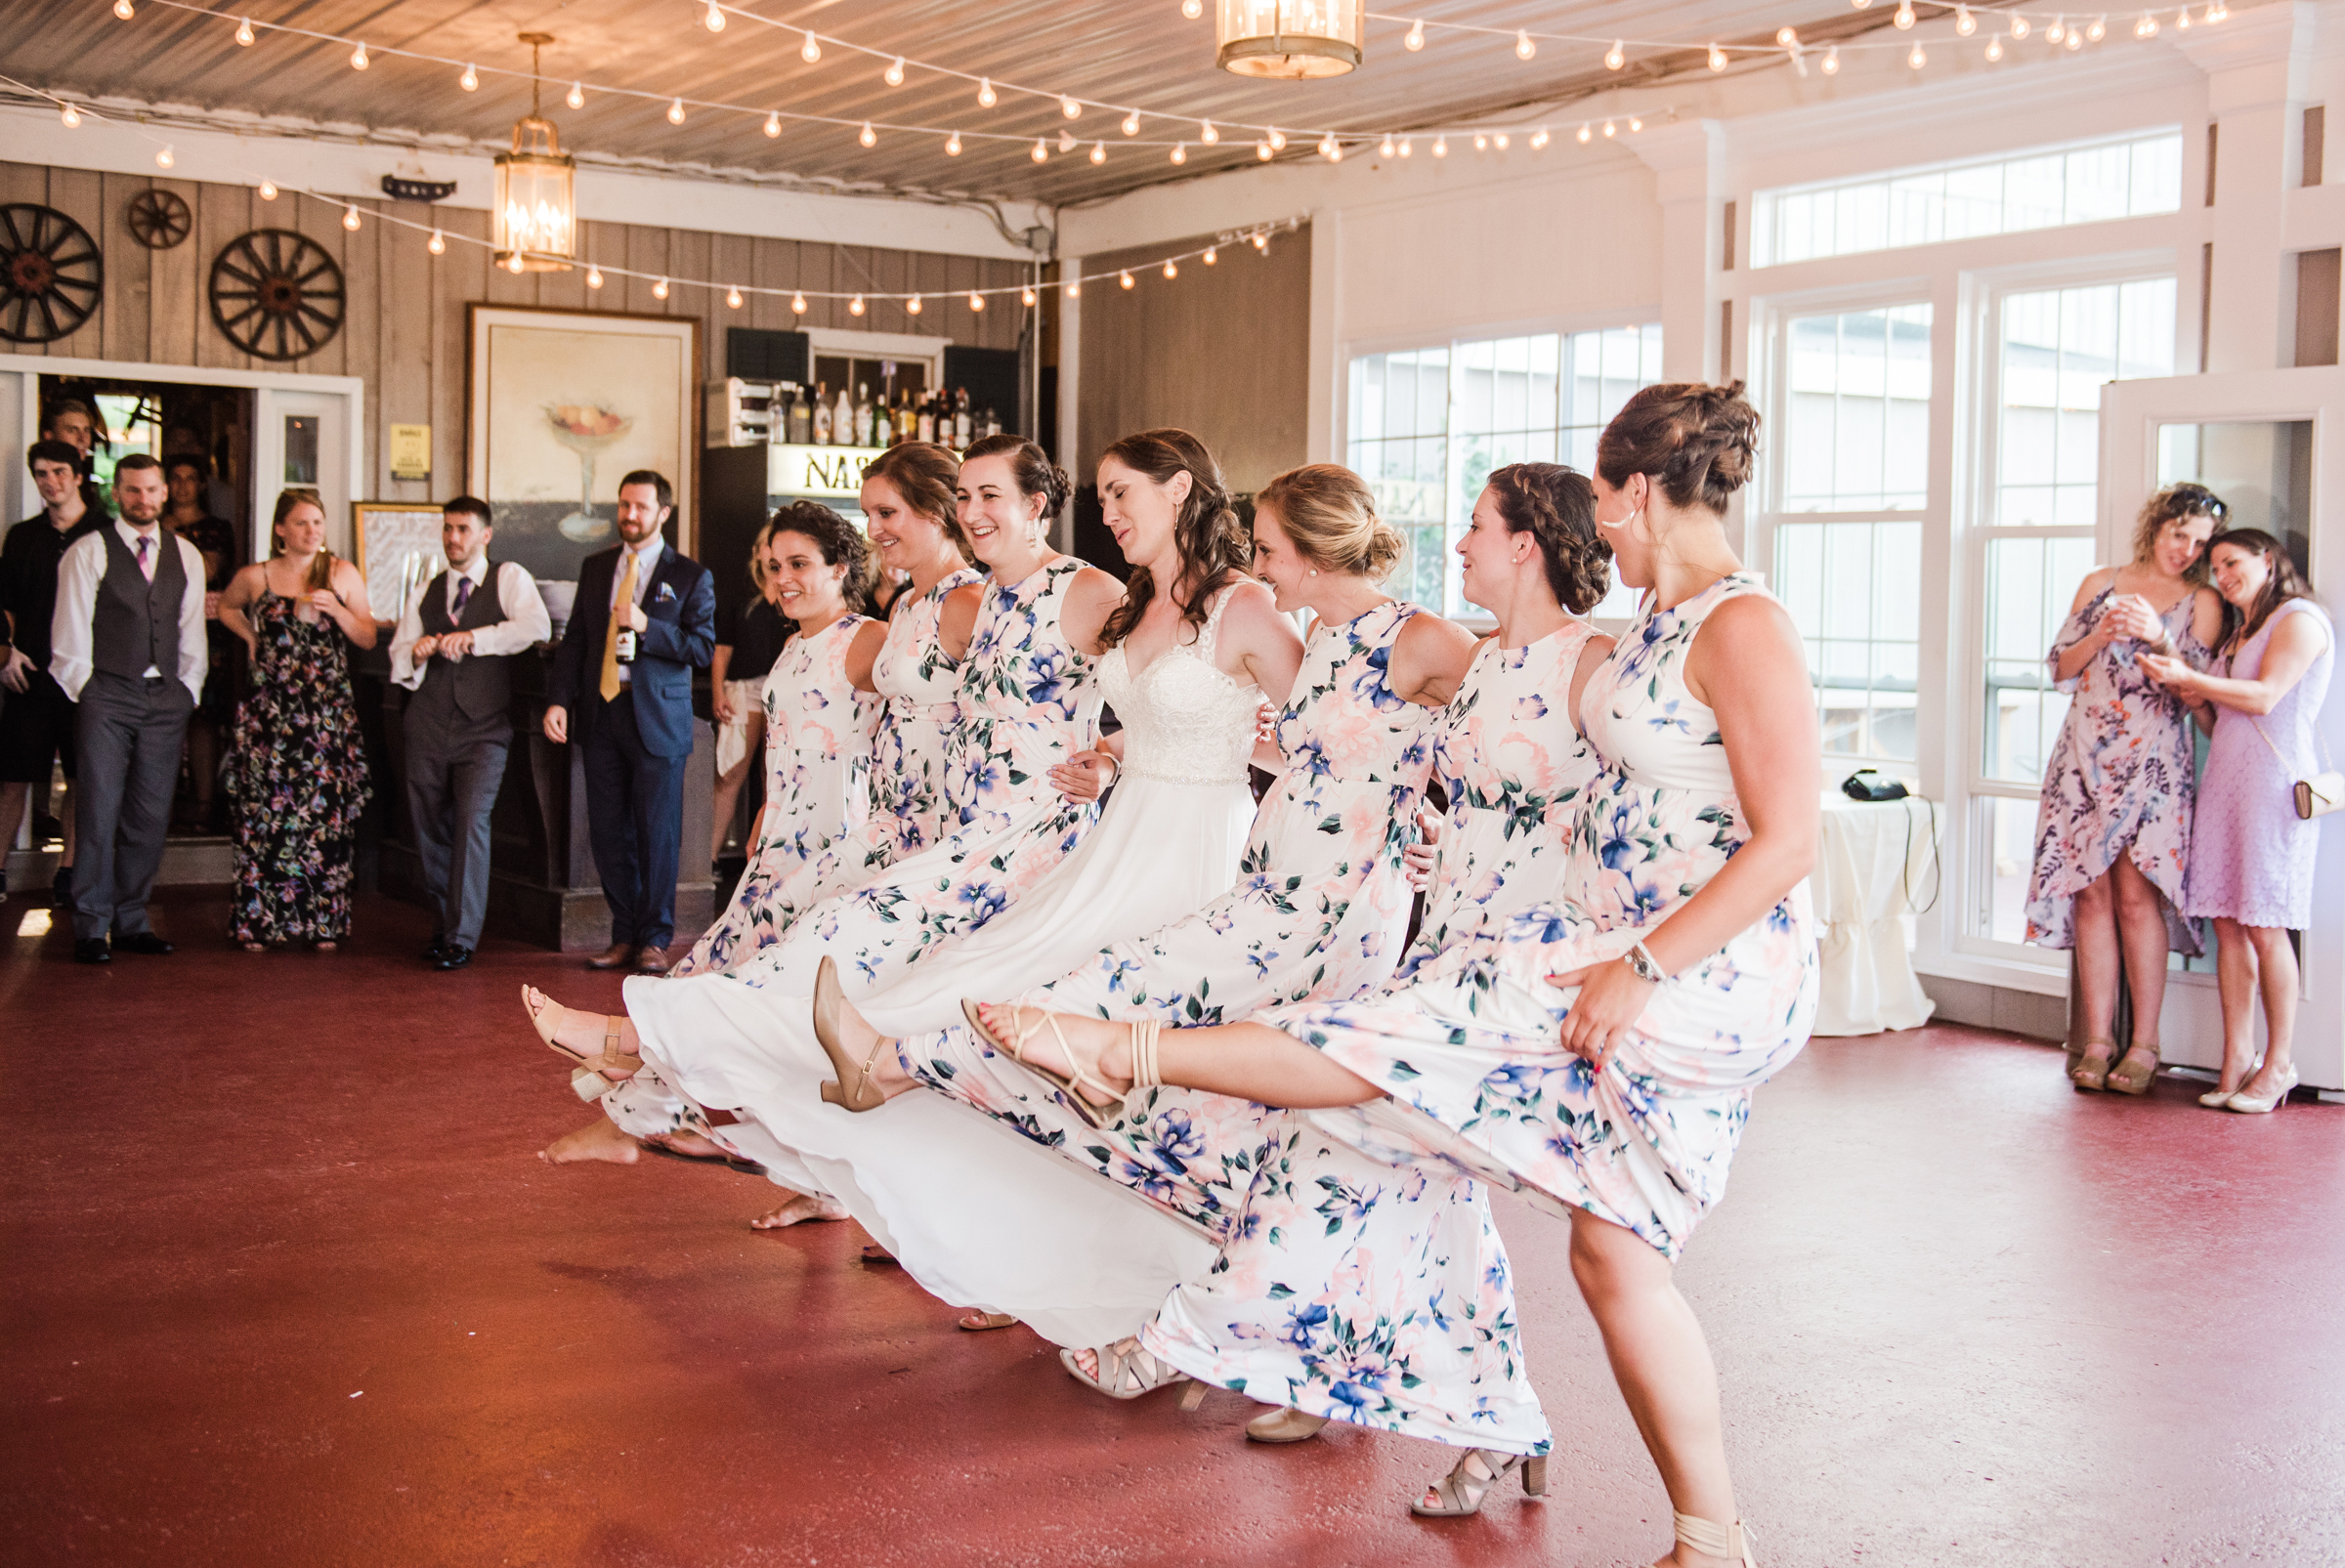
(822, 415)
(863, 414)
(964, 429)
(925, 427)
(801, 418)
(842, 420)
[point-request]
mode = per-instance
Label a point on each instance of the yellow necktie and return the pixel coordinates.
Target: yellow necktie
(618, 607)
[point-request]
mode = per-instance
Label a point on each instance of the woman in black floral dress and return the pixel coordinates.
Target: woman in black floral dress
(297, 771)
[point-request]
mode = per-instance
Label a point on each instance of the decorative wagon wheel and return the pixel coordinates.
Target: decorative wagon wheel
(276, 294)
(51, 273)
(158, 219)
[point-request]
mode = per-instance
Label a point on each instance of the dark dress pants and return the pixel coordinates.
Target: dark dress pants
(453, 777)
(636, 820)
(127, 734)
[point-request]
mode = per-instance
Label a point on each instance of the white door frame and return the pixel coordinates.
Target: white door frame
(19, 408)
(2191, 1032)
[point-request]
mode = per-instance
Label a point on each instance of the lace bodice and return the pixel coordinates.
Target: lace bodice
(1184, 721)
(913, 668)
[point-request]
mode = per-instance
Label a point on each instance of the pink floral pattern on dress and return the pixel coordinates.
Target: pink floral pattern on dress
(911, 808)
(818, 765)
(2251, 856)
(2118, 781)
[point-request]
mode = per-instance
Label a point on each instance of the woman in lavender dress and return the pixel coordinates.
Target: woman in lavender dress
(2113, 835)
(2251, 856)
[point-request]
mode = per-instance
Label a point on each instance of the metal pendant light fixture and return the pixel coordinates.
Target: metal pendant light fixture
(1289, 40)
(536, 207)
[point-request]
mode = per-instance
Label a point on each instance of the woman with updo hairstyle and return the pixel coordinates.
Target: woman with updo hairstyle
(818, 734)
(1597, 1053)
(2113, 832)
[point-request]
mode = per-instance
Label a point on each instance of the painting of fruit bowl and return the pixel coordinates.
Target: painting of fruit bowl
(563, 406)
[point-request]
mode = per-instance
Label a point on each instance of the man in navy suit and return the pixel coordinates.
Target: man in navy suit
(634, 714)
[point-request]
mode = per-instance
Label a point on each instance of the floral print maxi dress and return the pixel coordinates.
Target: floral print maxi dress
(818, 795)
(2118, 781)
(920, 683)
(297, 774)
(1320, 908)
(1467, 1050)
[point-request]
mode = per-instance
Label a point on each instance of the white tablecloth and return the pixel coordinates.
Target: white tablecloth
(1871, 859)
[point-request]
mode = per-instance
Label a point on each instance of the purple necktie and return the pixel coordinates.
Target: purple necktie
(463, 593)
(145, 567)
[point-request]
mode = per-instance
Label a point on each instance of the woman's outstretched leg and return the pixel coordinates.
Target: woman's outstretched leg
(1244, 1061)
(1662, 1363)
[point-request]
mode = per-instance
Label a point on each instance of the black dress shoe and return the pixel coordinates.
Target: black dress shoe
(437, 951)
(452, 957)
(145, 942)
(60, 886)
(92, 950)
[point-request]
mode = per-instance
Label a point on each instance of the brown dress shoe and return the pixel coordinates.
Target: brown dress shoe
(617, 955)
(651, 961)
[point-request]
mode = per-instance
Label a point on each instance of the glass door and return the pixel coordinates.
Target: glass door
(303, 440)
(2272, 443)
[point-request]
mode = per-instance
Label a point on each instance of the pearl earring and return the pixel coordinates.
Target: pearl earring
(1315, 571)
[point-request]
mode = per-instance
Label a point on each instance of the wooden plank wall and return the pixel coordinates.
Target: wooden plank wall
(1222, 352)
(403, 331)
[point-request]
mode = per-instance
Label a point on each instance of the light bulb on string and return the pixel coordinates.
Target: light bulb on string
(894, 74)
(2182, 20)
(1261, 239)
(594, 277)
(1181, 153)
(1524, 48)
(2058, 32)
(733, 296)
(470, 81)
(714, 18)
(1066, 139)
(1125, 278)
(2018, 26)
(1481, 142)
(1327, 146)
(1261, 150)
(773, 122)
(1994, 49)
(2146, 27)
(2097, 30)
(1414, 41)
(1207, 134)
(357, 56)
(1212, 255)
(1440, 146)
(1786, 37)
(1718, 58)
(797, 303)
(268, 190)
(1965, 23)
(985, 93)
(122, 9)
(1861, 4)
(867, 136)
(1075, 289)
(1539, 138)
(1192, 9)
(976, 300)
(1408, 146)
(1069, 107)
(1918, 58)
(659, 289)
(1499, 141)
(163, 159)
(578, 95)
(1026, 296)
(1277, 140)
(1384, 149)
(514, 264)
(1903, 19)
(1585, 134)
(811, 51)
(1132, 123)
(675, 111)
(1616, 55)
(1172, 271)
(350, 219)
(244, 32)
(911, 305)
(1831, 61)
(953, 145)
(1612, 130)
(1098, 152)
(437, 244)
(1040, 153)
(855, 306)
(68, 115)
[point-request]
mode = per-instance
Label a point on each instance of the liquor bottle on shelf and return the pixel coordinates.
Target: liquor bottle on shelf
(925, 428)
(801, 418)
(822, 415)
(908, 417)
(842, 420)
(863, 414)
(990, 423)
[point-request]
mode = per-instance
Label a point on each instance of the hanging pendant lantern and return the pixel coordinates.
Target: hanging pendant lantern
(1290, 40)
(536, 199)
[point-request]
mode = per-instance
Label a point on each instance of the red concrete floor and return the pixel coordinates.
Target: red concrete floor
(286, 1286)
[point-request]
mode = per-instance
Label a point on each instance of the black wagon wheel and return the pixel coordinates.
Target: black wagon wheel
(276, 294)
(51, 273)
(158, 219)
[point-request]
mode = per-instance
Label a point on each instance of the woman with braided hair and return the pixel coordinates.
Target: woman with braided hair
(1597, 1054)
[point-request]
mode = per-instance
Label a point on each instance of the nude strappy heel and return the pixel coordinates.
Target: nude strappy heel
(1284, 1425)
(1718, 1540)
(1070, 1085)
(590, 1081)
(1471, 1479)
(1125, 1370)
(852, 1089)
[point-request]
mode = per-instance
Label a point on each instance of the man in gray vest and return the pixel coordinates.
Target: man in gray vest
(126, 644)
(454, 650)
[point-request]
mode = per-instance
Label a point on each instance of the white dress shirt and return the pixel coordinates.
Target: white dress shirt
(647, 562)
(70, 646)
(526, 623)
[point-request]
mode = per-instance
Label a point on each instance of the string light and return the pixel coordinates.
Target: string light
(1612, 130)
(1074, 290)
(2075, 40)
(1903, 19)
(1718, 58)
(1261, 150)
(985, 98)
(1786, 37)
(732, 295)
(1994, 49)
(1125, 278)
(1524, 48)
(1408, 145)
(268, 190)
(1026, 296)
(675, 111)
(1041, 153)
(1918, 59)
(71, 115)
(659, 289)
(1192, 9)
(1415, 40)
(1181, 153)
(797, 304)
(867, 136)
(122, 9)
(1440, 146)
(1585, 133)
(1831, 61)
(2097, 30)
(163, 159)
(1261, 241)
(714, 20)
(470, 81)
(437, 244)
(1069, 107)
(2182, 20)
(1965, 23)
(953, 145)
(911, 305)
(1210, 255)
(812, 52)
(1385, 148)
(773, 124)
(1277, 140)
(514, 264)
(594, 277)
(855, 306)
(2146, 27)
(1172, 271)
(2018, 26)
(1615, 57)
(1132, 123)
(357, 56)
(1636, 124)
(1327, 146)
(578, 95)
(244, 32)
(894, 74)
(2058, 32)
(349, 221)
(1207, 134)
(976, 300)
(1499, 141)
(1098, 152)
(1481, 142)
(1539, 138)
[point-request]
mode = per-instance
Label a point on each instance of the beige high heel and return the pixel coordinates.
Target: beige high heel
(2124, 1078)
(984, 1322)
(1718, 1540)
(852, 1089)
(1471, 1480)
(1284, 1425)
(2247, 1104)
(592, 1081)
(1072, 1084)
(1125, 1370)
(2090, 1075)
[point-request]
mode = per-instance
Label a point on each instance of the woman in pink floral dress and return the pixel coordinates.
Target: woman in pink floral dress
(2113, 834)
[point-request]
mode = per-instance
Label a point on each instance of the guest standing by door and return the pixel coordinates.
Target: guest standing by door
(36, 717)
(644, 620)
(454, 650)
(127, 647)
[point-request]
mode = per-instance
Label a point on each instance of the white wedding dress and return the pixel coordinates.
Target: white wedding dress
(977, 1213)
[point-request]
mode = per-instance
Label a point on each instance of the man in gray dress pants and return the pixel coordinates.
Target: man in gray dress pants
(454, 649)
(127, 647)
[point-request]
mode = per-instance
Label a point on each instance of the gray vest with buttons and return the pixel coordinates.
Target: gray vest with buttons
(135, 623)
(473, 694)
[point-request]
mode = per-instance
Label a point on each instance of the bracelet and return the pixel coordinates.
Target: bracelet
(1642, 965)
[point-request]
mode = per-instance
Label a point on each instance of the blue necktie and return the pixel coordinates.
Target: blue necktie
(463, 594)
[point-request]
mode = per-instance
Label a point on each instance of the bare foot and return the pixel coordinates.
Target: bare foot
(1101, 1049)
(690, 1145)
(599, 1140)
(578, 1033)
(802, 1209)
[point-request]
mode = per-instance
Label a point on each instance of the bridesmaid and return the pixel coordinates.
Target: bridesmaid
(2251, 856)
(818, 734)
(297, 769)
(2113, 835)
(1679, 976)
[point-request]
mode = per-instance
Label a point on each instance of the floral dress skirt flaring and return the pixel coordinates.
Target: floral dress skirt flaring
(297, 776)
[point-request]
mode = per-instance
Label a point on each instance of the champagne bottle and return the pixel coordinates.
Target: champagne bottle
(842, 420)
(822, 415)
(964, 429)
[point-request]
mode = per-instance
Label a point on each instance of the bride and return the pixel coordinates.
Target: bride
(971, 1211)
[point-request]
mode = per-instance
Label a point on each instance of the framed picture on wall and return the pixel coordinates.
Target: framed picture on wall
(561, 406)
(396, 545)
